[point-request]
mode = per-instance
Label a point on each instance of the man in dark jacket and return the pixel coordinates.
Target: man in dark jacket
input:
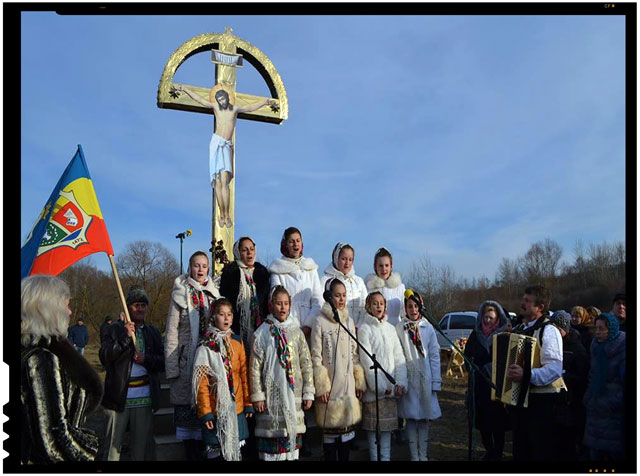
(132, 382)
(78, 335)
(570, 412)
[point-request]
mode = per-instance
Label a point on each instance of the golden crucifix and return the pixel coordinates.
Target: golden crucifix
(228, 52)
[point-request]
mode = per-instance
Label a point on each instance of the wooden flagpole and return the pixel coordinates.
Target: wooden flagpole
(127, 318)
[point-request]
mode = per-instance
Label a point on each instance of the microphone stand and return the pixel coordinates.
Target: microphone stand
(376, 365)
(473, 369)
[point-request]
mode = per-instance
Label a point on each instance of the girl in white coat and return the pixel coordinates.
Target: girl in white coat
(389, 283)
(337, 373)
(341, 267)
(422, 352)
(299, 276)
(381, 339)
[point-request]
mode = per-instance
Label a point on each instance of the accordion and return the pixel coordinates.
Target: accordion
(511, 349)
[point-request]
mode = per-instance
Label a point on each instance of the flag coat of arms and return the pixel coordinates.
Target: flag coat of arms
(69, 227)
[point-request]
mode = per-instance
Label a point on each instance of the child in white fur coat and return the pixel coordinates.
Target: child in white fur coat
(380, 339)
(389, 283)
(338, 375)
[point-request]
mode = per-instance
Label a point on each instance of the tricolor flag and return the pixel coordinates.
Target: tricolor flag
(69, 227)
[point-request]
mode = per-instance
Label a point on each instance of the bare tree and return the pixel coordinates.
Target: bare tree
(154, 267)
(540, 262)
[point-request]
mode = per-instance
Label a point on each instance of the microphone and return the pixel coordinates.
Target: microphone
(327, 297)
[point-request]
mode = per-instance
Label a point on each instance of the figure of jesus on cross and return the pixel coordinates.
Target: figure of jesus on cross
(221, 169)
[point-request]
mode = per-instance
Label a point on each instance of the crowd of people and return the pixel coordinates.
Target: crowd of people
(256, 359)
(576, 401)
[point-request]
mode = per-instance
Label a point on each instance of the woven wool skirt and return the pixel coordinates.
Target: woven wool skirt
(388, 415)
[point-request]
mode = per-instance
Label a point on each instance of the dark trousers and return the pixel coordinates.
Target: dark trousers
(493, 442)
(535, 430)
(338, 451)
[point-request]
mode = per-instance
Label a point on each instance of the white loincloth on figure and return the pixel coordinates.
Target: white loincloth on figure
(220, 156)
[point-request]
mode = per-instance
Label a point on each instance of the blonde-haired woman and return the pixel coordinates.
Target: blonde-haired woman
(58, 386)
(582, 321)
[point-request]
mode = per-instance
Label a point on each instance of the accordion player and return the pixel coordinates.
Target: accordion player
(513, 349)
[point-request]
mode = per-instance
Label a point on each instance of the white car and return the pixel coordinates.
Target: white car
(456, 325)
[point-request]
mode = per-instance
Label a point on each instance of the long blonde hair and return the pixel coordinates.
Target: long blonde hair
(43, 308)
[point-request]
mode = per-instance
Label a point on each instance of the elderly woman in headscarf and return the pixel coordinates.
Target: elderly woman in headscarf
(57, 385)
(341, 267)
(491, 418)
(569, 410)
(245, 283)
(604, 399)
(190, 309)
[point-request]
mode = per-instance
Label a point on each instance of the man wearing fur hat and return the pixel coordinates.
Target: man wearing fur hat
(132, 382)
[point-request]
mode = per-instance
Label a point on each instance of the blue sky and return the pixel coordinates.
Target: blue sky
(467, 138)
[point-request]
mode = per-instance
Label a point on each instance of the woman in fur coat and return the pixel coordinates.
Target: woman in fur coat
(389, 283)
(338, 375)
(221, 387)
(299, 276)
(190, 309)
(380, 339)
(58, 387)
(245, 283)
(281, 381)
(422, 353)
(341, 267)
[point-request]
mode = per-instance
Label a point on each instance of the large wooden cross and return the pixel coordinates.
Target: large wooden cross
(228, 52)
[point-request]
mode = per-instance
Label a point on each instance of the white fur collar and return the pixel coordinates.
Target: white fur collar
(372, 320)
(283, 266)
(179, 292)
(327, 312)
(373, 281)
(330, 270)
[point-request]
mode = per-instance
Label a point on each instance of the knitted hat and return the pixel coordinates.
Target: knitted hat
(135, 294)
(562, 320)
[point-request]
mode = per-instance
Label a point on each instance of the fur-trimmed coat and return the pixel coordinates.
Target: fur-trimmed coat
(303, 284)
(380, 338)
(179, 342)
(57, 388)
(271, 423)
(393, 291)
(356, 291)
(336, 369)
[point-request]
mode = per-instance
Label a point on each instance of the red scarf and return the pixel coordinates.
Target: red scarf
(487, 329)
